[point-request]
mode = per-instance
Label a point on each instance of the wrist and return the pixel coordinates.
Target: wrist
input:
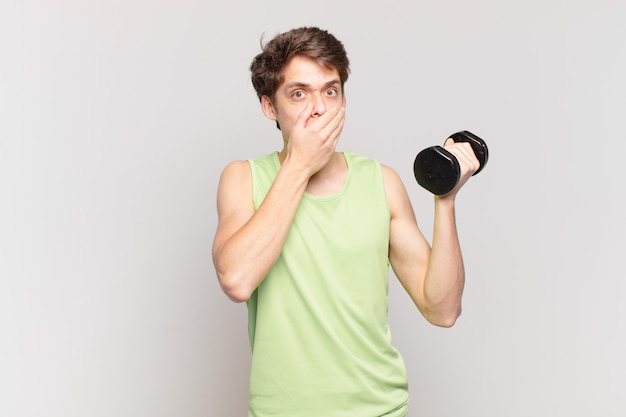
(295, 171)
(446, 202)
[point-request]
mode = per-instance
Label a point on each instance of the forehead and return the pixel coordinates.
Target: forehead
(302, 69)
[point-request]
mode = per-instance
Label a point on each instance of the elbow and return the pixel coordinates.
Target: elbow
(230, 280)
(445, 320)
(448, 322)
(233, 288)
(238, 296)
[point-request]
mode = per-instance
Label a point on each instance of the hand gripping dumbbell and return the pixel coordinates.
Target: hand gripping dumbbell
(438, 171)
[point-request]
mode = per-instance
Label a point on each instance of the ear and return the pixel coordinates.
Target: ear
(268, 108)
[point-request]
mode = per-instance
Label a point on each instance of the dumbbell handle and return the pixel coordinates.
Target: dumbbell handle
(438, 170)
(478, 146)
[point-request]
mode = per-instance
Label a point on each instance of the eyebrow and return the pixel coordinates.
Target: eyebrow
(300, 84)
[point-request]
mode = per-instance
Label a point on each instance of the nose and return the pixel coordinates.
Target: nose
(319, 106)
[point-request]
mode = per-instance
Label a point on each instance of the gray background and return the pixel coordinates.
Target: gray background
(117, 117)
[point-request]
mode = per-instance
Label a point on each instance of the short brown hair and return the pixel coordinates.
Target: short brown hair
(315, 43)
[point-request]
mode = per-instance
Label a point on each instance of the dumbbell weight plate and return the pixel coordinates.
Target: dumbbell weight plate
(437, 170)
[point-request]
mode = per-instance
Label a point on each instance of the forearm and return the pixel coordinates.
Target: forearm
(244, 259)
(445, 276)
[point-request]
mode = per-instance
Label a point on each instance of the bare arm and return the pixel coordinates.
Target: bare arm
(433, 277)
(247, 242)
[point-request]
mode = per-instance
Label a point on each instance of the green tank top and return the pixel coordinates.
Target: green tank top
(318, 328)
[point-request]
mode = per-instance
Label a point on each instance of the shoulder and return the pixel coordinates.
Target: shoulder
(397, 196)
(363, 165)
(236, 169)
(239, 167)
(236, 178)
(357, 158)
(391, 177)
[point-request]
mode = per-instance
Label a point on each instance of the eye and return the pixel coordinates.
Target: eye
(331, 92)
(298, 94)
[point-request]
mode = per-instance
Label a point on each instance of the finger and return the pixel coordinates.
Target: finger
(336, 133)
(464, 153)
(304, 115)
(333, 123)
(459, 148)
(325, 121)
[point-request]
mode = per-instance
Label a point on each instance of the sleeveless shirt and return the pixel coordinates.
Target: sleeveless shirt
(317, 324)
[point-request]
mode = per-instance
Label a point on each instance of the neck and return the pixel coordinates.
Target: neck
(328, 180)
(335, 162)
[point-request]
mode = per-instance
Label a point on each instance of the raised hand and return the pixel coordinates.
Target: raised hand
(313, 138)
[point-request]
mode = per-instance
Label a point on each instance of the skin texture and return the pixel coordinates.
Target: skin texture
(310, 108)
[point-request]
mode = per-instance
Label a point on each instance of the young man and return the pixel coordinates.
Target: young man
(306, 236)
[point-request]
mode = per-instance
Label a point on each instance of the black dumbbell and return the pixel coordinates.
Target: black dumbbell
(438, 171)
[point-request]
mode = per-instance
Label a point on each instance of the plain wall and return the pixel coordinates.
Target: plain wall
(117, 117)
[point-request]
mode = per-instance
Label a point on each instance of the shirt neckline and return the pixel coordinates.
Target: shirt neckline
(338, 194)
